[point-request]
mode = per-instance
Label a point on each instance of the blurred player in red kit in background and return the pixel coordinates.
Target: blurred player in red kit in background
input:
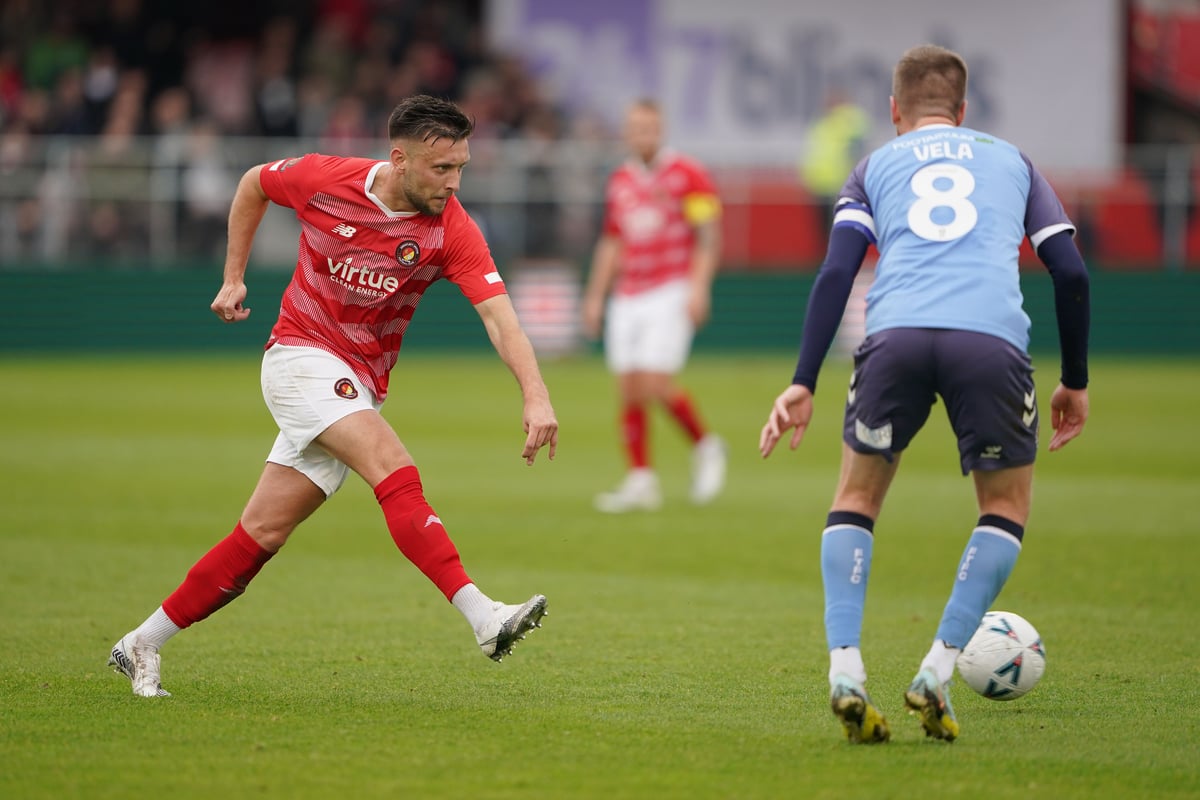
(657, 256)
(375, 235)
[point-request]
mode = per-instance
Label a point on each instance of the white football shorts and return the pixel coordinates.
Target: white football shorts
(649, 331)
(307, 390)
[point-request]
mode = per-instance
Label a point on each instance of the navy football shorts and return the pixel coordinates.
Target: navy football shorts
(985, 382)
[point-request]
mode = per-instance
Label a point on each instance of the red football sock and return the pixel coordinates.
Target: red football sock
(684, 412)
(633, 433)
(217, 578)
(418, 532)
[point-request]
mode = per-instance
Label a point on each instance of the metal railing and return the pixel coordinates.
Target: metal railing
(162, 202)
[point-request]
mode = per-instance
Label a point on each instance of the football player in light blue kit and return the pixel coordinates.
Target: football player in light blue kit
(948, 208)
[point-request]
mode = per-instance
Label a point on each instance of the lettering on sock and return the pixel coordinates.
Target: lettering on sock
(856, 573)
(966, 565)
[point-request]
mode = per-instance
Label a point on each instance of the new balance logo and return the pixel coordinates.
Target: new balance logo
(342, 229)
(432, 519)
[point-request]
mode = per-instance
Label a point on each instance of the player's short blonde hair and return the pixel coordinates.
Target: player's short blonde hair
(930, 81)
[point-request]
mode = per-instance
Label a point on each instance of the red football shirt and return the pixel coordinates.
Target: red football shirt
(361, 267)
(653, 210)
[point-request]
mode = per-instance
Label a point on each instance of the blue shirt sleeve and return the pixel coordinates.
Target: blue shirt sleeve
(1072, 305)
(853, 207)
(1044, 213)
(827, 302)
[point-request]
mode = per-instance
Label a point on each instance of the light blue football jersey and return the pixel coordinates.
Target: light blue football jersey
(947, 207)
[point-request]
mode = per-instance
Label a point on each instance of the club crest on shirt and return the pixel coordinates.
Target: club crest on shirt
(345, 388)
(408, 253)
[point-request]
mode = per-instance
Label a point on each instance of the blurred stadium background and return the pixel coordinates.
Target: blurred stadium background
(125, 124)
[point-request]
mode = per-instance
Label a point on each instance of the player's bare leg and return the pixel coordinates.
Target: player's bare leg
(1006, 493)
(863, 482)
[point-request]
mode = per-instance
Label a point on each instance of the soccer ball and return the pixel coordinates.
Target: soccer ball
(1005, 657)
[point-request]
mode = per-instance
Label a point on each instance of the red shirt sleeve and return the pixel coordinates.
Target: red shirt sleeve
(292, 181)
(469, 264)
(700, 203)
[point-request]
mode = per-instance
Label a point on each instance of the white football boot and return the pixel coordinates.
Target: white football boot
(140, 663)
(638, 492)
(508, 625)
(708, 469)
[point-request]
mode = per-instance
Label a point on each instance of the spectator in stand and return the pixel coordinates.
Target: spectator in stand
(346, 132)
(56, 50)
(276, 100)
(68, 109)
(836, 142)
(542, 218)
(256, 74)
(12, 85)
(207, 184)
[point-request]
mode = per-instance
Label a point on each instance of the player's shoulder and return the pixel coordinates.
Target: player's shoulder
(1005, 155)
(454, 212)
(944, 141)
(456, 220)
(985, 139)
(673, 159)
(625, 171)
(322, 163)
(345, 165)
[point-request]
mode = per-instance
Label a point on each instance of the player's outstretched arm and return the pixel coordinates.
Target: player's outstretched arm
(246, 212)
(792, 409)
(514, 349)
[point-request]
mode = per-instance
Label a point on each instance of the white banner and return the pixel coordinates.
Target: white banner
(741, 81)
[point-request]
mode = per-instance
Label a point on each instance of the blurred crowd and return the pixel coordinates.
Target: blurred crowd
(327, 69)
(161, 82)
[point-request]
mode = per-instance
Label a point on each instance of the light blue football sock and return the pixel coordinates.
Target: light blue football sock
(845, 566)
(985, 566)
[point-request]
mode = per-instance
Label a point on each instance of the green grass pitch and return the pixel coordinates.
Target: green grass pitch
(683, 655)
